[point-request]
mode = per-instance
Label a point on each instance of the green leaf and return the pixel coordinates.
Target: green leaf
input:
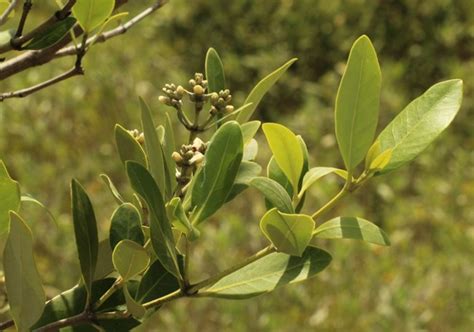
(92, 13)
(357, 103)
(289, 233)
(154, 150)
(247, 171)
(381, 161)
(130, 259)
(73, 301)
(156, 282)
(4, 4)
(6, 36)
(161, 234)
(52, 35)
(104, 265)
(287, 151)
(22, 280)
(168, 149)
(128, 147)
(85, 231)
(274, 193)
(274, 172)
(351, 228)
(126, 225)
(250, 150)
(113, 190)
(418, 125)
(215, 180)
(268, 273)
(180, 220)
(10, 197)
(28, 199)
(316, 173)
(249, 129)
(257, 93)
(135, 308)
(214, 71)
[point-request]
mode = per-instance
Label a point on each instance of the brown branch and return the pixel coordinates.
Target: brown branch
(83, 317)
(31, 59)
(6, 325)
(123, 28)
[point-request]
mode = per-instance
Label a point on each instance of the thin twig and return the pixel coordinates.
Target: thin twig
(70, 321)
(7, 12)
(121, 29)
(6, 325)
(24, 15)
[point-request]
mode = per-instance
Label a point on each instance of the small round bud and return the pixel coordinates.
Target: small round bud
(198, 90)
(180, 92)
(141, 138)
(164, 100)
(188, 155)
(214, 97)
(176, 157)
(196, 159)
(192, 82)
(213, 110)
(229, 109)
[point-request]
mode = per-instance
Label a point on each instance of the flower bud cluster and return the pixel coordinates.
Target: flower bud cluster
(190, 154)
(138, 136)
(173, 95)
(220, 102)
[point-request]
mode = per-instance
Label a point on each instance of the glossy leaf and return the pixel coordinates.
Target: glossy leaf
(52, 35)
(73, 301)
(155, 283)
(249, 129)
(135, 308)
(92, 13)
(268, 273)
(26, 296)
(154, 150)
(113, 190)
(129, 259)
(316, 173)
(351, 228)
(250, 150)
(215, 180)
(214, 71)
(10, 197)
(357, 103)
(418, 125)
(381, 161)
(262, 87)
(85, 231)
(179, 219)
(289, 233)
(168, 149)
(247, 171)
(128, 147)
(160, 227)
(274, 193)
(286, 150)
(126, 225)
(104, 265)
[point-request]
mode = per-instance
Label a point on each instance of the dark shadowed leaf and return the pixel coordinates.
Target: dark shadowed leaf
(156, 282)
(52, 35)
(85, 231)
(126, 224)
(247, 171)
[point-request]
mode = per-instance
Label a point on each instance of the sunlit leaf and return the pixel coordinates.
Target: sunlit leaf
(26, 296)
(289, 233)
(113, 190)
(418, 125)
(268, 273)
(286, 150)
(351, 228)
(249, 129)
(179, 219)
(357, 103)
(129, 259)
(85, 231)
(316, 173)
(92, 13)
(262, 87)
(135, 308)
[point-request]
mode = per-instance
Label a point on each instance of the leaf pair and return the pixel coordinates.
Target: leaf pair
(357, 108)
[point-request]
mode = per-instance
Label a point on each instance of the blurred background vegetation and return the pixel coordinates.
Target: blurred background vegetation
(423, 282)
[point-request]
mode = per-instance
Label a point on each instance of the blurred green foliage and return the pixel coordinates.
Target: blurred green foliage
(424, 281)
